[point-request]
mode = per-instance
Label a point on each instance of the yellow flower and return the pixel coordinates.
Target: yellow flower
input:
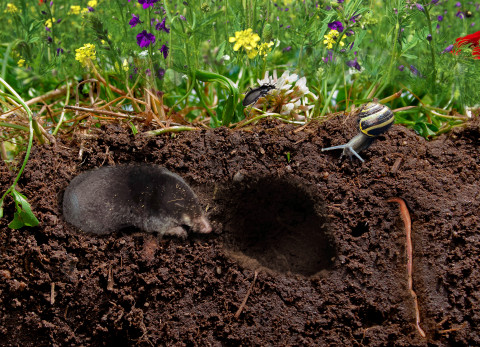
(49, 22)
(331, 38)
(92, 3)
(21, 62)
(125, 65)
(74, 9)
(11, 8)
(85, 10)
(265, 48)
(85, 54)
(252, 53)
(245, 39)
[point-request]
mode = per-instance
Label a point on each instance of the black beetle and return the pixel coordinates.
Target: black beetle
(254, 94)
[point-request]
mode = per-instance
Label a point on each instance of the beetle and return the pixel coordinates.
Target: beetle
(254, 94)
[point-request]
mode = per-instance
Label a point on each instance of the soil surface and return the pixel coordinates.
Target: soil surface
(329, 249)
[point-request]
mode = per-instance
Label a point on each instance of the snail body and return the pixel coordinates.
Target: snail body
(374, 120)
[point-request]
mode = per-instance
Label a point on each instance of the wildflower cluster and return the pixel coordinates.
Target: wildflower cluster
(11, 8)
(146, 38)
(248, 40)
(331, 39)
(85, 54)
(292, 101)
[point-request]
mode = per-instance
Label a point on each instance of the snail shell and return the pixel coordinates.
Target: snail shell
(374, 120)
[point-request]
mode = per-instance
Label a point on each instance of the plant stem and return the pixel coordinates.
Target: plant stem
(329, 98)
(30, 136)
(174, 129)
(432, 42)
(67, 99)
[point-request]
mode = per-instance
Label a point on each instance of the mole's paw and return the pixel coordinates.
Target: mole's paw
(176, 231)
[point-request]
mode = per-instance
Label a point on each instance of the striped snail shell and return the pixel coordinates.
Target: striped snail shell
(374, 120)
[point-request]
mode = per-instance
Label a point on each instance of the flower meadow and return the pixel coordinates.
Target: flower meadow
(194, 60)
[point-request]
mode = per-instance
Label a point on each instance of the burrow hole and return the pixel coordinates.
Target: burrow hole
(277, 224)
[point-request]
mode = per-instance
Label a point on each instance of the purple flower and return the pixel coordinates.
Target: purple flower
(49, 39)
(161, 26)
(448, 49)
(414, 71)
(144, 39)
(164, 51)
(429, 37)
(354, 63)
(434, 2)
(59, 51)
(328, 58)
(458, 4)
(287, 49)
(337, 25)
(354, 18)
(159, 72)
(420, 7)
(341, 1)
(183, 18)
(134, 21)
(401, 67)
(440, 18)
(90, 9)
(460, 15)
(147, 3)
(148, 72)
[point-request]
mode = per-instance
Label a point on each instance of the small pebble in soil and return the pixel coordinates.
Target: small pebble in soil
(146, 197)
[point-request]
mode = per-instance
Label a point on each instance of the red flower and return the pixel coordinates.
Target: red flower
(471, 41)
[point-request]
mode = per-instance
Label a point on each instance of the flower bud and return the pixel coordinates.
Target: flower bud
(267, 34)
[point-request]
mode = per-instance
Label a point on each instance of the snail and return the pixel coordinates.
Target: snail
(374, 120)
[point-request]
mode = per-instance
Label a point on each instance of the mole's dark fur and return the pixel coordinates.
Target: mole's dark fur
(147, 197)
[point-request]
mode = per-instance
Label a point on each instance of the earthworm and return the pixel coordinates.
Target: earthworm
(408, 229)
(244, 302)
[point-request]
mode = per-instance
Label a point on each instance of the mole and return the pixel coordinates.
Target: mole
(146, 197)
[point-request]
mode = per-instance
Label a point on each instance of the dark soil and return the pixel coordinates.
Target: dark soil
(328, 247)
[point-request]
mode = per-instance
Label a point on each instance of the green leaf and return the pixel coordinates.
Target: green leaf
(228, 111)
(24, 215)
(134, 128)
(409, 56)
(221, 50)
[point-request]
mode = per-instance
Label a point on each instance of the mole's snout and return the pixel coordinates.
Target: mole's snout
(201, 225)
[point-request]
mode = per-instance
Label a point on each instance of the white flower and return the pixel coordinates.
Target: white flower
(289, 98)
